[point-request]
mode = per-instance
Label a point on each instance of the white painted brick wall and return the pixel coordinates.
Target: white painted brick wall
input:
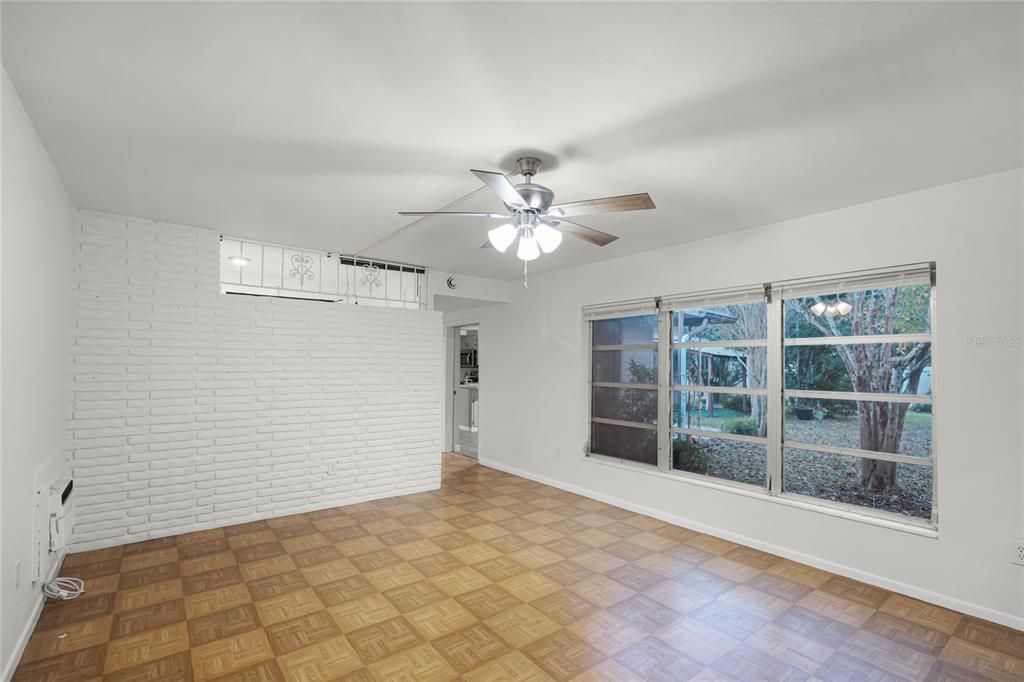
(191, 409)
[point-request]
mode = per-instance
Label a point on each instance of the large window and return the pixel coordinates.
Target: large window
(818, 389)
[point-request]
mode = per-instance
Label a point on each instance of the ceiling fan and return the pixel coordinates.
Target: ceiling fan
(533, 217)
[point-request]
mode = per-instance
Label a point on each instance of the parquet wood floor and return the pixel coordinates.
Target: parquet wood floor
(491, 578)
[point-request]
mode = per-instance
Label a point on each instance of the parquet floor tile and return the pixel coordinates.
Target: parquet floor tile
(87, 607)
(491, 578)
(276, 585)
(562, 654)
(655, 659)
(325, 660)
(212, 601)
(288, 606)
(380, 640)
(146, 646)
(364, 611)
(521, 625)
(173, 668)
(148, 617)
(512, 667)
(440, 618)
(229, 655)
(419, 664)
(605, 631)
(470, 647)
(68, 638)
(223, 624)
(700, 642)
(83, 664)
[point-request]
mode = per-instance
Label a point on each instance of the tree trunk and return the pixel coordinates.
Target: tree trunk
(876, 475)
(881, 427)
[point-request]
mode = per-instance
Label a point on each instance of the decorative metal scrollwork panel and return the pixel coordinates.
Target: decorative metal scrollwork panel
(271, 270)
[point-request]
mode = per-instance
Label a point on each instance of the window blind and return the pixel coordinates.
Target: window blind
(909, 275)
(606, 311)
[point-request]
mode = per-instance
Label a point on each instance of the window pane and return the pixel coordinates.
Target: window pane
(898, 310)
(733, 367)
(637, 329)
(887, 427)
(625, 404)
(866, 368)
(719, 458)
(637, 445)
(721, 323)
(741, 414)
(625, 366)
(898, 488)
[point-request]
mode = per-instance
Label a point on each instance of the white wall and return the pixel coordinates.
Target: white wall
(193, 409)
(534, 415)
(480, 289)
(37, 221)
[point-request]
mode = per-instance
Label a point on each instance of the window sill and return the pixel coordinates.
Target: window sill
(922, 529)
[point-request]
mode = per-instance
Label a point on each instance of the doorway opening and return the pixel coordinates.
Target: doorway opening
(465, 395)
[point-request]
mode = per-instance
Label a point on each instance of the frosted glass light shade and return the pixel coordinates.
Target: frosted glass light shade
(528, 249)
(547, 237)
(502, 237)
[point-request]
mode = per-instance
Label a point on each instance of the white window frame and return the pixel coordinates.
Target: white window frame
(624, 309)
(774, 295)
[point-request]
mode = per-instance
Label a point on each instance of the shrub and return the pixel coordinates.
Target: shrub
(689, 456)
(840, 409)
(733, 402)
(926, 408)
(744, 426)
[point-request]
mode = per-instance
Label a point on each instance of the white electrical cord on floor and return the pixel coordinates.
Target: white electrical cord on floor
(64, 588)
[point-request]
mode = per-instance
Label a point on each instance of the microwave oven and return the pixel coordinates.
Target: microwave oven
(467, 358)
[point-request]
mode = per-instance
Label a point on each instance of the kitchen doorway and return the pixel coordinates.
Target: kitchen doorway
(465, 394)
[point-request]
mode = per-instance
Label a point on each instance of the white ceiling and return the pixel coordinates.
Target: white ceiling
(312, 124)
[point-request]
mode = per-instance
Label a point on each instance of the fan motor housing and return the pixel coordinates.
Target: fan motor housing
(537, 197)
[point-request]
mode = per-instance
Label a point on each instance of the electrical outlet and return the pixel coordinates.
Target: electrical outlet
(1018, 553)
(17, 574)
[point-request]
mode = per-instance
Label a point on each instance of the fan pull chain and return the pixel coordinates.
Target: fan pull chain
(526, 277)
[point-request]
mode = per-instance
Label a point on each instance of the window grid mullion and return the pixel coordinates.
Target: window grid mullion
(731, 390)
(664, 390)
(775, 409)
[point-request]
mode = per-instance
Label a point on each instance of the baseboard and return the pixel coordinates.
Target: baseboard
(1009, 620)
(26, 633)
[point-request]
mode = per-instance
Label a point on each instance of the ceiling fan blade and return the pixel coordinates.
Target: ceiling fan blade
(626, 202)
(502, 187)
(587, 234)
(456, 213)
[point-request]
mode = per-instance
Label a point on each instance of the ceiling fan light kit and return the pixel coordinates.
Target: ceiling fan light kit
(501, 237)
(534, 219)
